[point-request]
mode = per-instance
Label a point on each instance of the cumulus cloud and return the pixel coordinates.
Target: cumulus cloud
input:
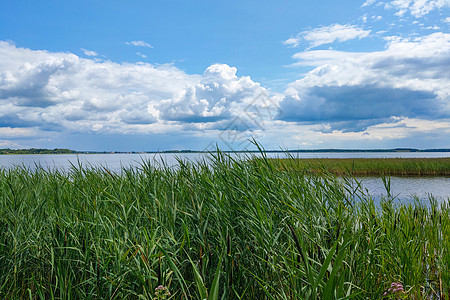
(219, 95)
(328, 34)
(58, 92)
(61, 90)
(417, 8)
(396, 93)
(353, 91)
(139, 44)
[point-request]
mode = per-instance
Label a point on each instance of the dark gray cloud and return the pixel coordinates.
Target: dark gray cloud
(141, 117)
(416, 67)
(357, 107)
(12, 120)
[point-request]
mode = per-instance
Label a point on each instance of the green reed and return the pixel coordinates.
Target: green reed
(221, 228)
(371, 166)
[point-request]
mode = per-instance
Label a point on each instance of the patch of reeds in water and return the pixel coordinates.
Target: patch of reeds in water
(229, 229)
(370, 166)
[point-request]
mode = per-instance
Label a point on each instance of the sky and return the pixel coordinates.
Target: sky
(139, 75)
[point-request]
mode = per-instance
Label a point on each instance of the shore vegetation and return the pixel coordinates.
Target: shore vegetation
(369, 166)
(223, 228)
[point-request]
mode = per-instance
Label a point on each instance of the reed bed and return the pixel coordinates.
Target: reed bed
(223, 228)
(371, 166)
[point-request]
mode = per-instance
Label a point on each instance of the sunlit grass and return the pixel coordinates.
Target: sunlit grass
(238, 229)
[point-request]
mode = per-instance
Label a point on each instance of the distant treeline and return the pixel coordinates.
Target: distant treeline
(68, 151)
(36, 151)
(371, 150)
(311, 150)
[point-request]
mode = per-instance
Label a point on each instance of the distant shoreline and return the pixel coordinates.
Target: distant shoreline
(35, 151)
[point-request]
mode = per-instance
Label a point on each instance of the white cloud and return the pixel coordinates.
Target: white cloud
(329, 34)
(339, 67)
(402, 92)
(354, 91)
(417, 8)
(220, 95)
(322, 57)
(89, 52)
(368, 3)
(364, 18)
(57, 92)
(292, 42)
(9, 132)
(64, 92)
(139, 44)
(447, 20)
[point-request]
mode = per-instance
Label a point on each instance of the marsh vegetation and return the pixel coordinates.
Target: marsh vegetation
(370, 166)
(224, 228)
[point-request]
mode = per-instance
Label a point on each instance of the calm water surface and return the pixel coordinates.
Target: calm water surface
(403, 187)
(406, 188)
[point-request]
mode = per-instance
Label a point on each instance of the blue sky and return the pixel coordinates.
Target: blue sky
(158, 75)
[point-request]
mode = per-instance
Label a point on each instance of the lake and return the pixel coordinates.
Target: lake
(402, 187)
